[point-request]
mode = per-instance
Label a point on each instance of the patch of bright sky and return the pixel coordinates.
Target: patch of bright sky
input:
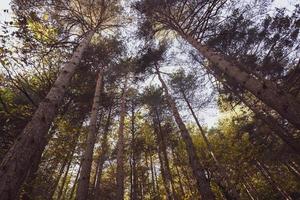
(4, 4)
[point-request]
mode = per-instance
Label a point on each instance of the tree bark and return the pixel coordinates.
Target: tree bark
(152, 176)
(292, 169)
(265, 172)
(60, 192)
(268, 92)
(120, 147)
(29, 146)
(203, 184)
(163, 167)
(75, 183)
(166, 170)
(269, 120)
(222, 178)
(134, 181)
(84, 178)
(102, 158)
(57, 179)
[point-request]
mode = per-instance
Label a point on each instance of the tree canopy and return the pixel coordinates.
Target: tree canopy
(150, 99)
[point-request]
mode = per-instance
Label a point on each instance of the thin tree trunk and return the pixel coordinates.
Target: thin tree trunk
(165, 160)
(120, 147)
(152, 176)
(94, 178)
(75, 183)
(179, 181)
(163, 167)
(60, 173)
(203, 184)
(177, 171)
(147, 181)
(30, 144)
(84, 178)
(166, 182)
(70, 157)
(265, 172)
(134, 185)
(65, 191)
(60, 192)
(103, 157)
(222, 178)
(268, 92)
(248, 192)
(292, 169)
(156, 180)
(250, 184)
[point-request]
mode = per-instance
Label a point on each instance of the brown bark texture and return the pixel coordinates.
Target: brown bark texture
(120, 148)
(29, 146)
(84, 178)
(268, 92)
(203, 184)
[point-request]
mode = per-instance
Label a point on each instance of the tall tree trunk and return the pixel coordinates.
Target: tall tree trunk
(248, 192)
(176, 162)
(32, 174)
(161, 155)
(165, 160)
(179, 180)
(75, 183)
(268, 92)
(60, 192)
(152, 176)
(60, 173)
(269, 120)
(265, 172)
(203, 184)
(292, 169)
(30, 144)
(120, 147)
(222, 178)
(103, 157)
(134, 185)
(84, 178)
(166, 181)
(156, 180)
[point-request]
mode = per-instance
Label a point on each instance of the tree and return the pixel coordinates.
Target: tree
(84, 178)
(186, 85)
(193, 21)
(120, 146)
(31, 143)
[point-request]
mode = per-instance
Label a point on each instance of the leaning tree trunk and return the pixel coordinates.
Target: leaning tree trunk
(265, 172)
(120, 148)
(203, 184)
(269, 120)
(84, 178)
(222, 178)
(30, 144)
(268, 92)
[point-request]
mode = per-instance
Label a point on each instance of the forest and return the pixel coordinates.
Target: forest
(150, 100)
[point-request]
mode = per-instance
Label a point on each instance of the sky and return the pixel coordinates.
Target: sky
(210, 115)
